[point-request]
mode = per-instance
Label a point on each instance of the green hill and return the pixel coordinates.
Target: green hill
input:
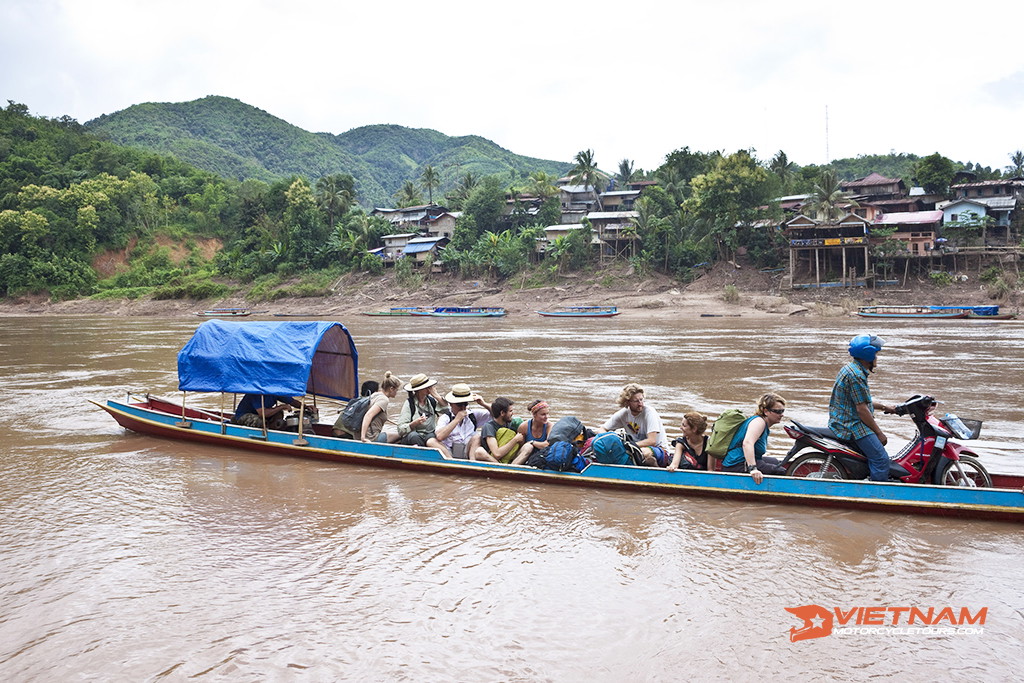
(236, 140)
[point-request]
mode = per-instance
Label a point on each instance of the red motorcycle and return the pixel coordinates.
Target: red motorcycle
(930, 458)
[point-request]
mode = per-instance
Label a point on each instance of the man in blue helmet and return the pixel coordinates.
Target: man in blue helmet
(851, 410)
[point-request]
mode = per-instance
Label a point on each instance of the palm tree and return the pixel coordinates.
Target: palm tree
(541, 185)
(458, 195)
(828, 201)
(781, 166)
(625, 172)
(335, 195)
(408, 195)
(585, 173)
(670, 181)
(1016, 168)
(430, 180)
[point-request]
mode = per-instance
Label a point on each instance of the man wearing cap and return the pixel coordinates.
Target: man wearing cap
(851, 410)
(459, 431)
(418, 419)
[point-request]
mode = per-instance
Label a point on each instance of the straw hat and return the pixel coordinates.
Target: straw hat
(461, 393)
(420, 381)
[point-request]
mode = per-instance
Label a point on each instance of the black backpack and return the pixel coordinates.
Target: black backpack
(352, 416)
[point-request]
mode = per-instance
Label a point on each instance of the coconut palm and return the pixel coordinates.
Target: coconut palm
(335, 195)
(541, 185)
(625, 173)
(430, 181)
(408, 195)
(1016, 167)
(828, 201)
(585, 173)
(781, 166)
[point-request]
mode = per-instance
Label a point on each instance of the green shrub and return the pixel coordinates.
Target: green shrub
(941, 278)
(122, 293)
(731, 294)
(991, 274)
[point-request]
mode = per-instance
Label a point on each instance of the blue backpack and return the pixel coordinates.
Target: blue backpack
(609, 449)
(560, 456)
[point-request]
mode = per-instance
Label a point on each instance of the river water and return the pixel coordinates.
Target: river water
(126, 557)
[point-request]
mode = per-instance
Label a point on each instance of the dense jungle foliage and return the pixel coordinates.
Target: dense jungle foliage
(71, 202)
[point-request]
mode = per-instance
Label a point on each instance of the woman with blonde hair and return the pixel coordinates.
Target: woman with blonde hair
(376, 414)
(748, 446)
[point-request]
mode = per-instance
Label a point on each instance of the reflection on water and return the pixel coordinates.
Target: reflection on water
(130, 557)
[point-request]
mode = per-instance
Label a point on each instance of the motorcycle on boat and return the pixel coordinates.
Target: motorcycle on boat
(931, 457)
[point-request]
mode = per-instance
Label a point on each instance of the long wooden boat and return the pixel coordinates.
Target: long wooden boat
(581, 312)
(399, 310)
(319, 359)
(916, 312)
(158, 417)
(462, 312)
(225, 313)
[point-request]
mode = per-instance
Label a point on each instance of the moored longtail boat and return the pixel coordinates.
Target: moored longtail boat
(916, 312)
(462, 312)
(320, 359)
(581, 312)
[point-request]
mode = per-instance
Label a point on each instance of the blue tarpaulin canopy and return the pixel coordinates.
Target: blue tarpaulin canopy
(280, 358)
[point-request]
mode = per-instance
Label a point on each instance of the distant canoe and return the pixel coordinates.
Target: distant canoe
(581, 312)
(989, 316)
(225, 313)
(915, 312)
(400, 310)
(461, 312)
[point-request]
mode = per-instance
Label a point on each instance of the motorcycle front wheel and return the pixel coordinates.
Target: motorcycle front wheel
(974, 474)
(812, 466)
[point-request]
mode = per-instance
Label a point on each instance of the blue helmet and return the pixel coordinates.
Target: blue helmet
(866, 346)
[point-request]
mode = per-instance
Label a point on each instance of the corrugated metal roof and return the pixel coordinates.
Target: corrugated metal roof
(606, 215)
(909, 218)
(868, 180)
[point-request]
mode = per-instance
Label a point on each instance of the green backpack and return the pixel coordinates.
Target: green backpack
(724, 431)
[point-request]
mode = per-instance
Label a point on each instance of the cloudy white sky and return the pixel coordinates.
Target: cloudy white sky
(631, 80)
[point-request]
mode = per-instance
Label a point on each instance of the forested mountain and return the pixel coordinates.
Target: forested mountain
(235, 140)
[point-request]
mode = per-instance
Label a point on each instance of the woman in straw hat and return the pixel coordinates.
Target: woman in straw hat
(459, 430)
(418, 420)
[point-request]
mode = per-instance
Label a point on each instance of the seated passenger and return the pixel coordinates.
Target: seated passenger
(459, 430)
(377, 413)
(534, 431)
(642, 423)
(418, 419)
(690, 448)
(253, 409)
(499, 441)
(746, 452)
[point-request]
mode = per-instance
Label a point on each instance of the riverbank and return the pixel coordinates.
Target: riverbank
(724, 290)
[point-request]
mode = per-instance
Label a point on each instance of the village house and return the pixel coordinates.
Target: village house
(832, 252)
(410, 217)
(917, 229)
(425, 251)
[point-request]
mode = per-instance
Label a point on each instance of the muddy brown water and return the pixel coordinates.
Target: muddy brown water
(126, 557)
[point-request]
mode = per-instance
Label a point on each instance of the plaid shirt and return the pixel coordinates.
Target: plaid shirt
(851, 388)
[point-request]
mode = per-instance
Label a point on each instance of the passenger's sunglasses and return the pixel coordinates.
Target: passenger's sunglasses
(777, 411)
